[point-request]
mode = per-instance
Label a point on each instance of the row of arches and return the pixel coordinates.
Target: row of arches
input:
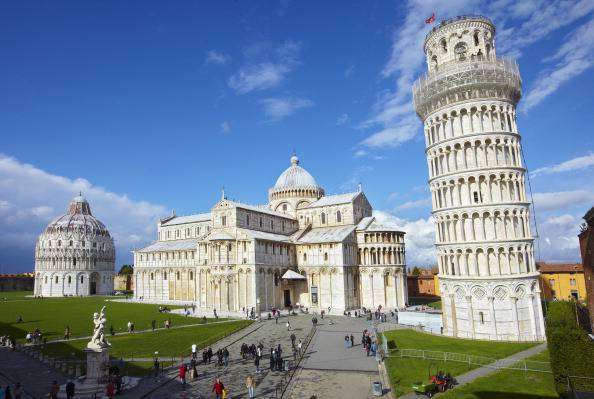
(480, 153)
(478, 189)
(464, 120)
(386, 237)
(492, 225)
(381, 256)
(487, 261)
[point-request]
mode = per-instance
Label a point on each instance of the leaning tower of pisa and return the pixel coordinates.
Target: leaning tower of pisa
(467, 102)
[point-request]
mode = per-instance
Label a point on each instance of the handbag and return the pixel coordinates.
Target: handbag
(224, 396)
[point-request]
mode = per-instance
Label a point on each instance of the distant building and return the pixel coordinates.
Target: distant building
(562, 281)
(16, 282)
(75, 255)
(586, 237)
(422, 285)
(324, 252)
(123, 282)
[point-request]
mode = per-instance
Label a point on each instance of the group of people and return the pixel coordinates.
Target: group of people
(349, 341)
(35, 337)
(7, 341)
(369, 344)
(7, 393)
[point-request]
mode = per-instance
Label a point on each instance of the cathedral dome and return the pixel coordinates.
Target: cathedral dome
(295, 177)
(78, 221)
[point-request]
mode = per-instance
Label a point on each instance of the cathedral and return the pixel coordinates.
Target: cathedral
(303, 249)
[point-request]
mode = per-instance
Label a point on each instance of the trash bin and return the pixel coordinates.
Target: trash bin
(376, 389)
(288, 364)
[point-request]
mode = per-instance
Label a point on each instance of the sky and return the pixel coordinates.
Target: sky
(148, 107)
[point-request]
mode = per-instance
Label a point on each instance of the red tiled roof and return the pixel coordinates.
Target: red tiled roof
(544, 267)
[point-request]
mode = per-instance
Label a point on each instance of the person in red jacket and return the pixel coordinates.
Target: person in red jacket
(182, 375)
(109, 391)
(218, 388)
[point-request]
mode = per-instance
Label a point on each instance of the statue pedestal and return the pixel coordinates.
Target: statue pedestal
(95, 381)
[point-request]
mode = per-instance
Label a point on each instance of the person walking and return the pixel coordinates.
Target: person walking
(129, 327)
(153, 324)
(194, 349)
(156, 365)
(250, 385)
(346, 341)
(110, 391)
(55, 388)
(299, 346)
(218, 388)
(288, 325)
(293, 338)
(67, 332)
(257, 364)
(182, 375)
(226, 357)
(352, 340)
(18, 391)
(70, 390)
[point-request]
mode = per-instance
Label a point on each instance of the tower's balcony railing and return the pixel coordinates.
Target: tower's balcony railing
(429, 88)
(467, 17)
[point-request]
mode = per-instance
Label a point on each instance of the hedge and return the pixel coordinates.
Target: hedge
(570, 347)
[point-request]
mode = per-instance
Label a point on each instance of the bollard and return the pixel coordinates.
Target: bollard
(377, 389)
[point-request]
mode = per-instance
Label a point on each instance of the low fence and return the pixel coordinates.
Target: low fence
(481, 361)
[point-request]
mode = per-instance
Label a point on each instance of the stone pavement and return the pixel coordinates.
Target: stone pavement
(490, 369)
(333, 371)
(233, 377)
(35, 377)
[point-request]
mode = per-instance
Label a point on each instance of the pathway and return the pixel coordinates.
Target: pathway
(492, 368)
(233, 377)
(331, 369)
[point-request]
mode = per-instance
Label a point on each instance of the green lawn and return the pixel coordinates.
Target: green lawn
(51, 315)
(404, 371)
(14, 295)
(509, 384)
(434, 302)
(171, 344)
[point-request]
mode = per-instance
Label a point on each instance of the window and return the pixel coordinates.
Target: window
(177, 275)
(475, 196)
(56, 279)
(224, 220)
(82, 243)
(284, 207)
(323, 218)
(244, 246)
(552, 282)
(164, 275)
(82, 279)
(325, 256)
(59, 243)
(70, 242)
(476, 39)
(191, 275)
(571, 281)
(69, 279)
(272, 225)
(260, 222)
(482, 317)
(338, 217)
(444, 46)
(283, 225)
(46, 279)
(304, 257)
(94, 245)
(247, 220)
(152, 276)
(74, 262)
(176, 233)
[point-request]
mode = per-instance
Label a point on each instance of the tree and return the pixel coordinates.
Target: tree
(416, 271)
(126, 270)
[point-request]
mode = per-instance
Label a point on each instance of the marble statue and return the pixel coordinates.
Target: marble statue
(98, 340)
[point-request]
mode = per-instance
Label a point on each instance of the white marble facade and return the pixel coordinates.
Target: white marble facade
(302, 248)
(467, 102)
(75, 255)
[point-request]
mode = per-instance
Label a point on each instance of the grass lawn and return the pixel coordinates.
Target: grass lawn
(14, 295)
(404, 371)
(170, 344)
(509, 384)
(434, 302)
(51, 315)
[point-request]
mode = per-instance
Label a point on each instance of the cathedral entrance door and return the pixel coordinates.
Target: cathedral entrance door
(287, 298)
(93, 287)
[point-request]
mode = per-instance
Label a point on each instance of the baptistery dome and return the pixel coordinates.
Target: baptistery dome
(294, 188)
(75, 254)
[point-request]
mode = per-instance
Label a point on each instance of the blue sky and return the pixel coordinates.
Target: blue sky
(148, 107)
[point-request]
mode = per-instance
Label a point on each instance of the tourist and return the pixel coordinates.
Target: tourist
(70, 390)
(153, 324)
(209, 353)
(129, 327)
(218, 388)
(109, 390)
(299, 346)
(55, 388)
(67, 332)
(204, 356)
(156, 365)
(226, 357)
(214, 311)
(111, 331)
(18, 391)
(204, 321)
(194, 349)
(182, 375)
(132, 327)
(193, 371)
(257, 364)
(352, 340)
(288, 325)
(249, 383)
(347, 341)
(293, 338)
(29, 337)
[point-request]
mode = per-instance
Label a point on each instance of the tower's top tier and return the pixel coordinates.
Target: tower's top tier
(460, 39)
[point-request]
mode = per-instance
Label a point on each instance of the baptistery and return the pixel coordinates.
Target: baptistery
(75, 255)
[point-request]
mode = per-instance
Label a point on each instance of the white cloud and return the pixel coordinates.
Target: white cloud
(562, 199)
(574, 57)
(360, 153)
(349, 71)
(419, 238)
(342, 119)
(567, 166)
(31, 197)
(217, 57)
(558, 241)
(225, 127)
(419, 203)
(277, 109)
(265, 74)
